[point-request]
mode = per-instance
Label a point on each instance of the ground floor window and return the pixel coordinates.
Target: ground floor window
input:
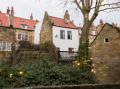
(5, 46)
(70, 50)
(22, 36)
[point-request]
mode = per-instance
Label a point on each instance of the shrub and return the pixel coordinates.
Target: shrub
(43, 72)
(25, 45)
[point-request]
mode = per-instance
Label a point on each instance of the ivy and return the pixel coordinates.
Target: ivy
(83, 57)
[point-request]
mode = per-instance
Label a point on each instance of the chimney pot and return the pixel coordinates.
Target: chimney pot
(8, 10)
(67, 17)
(31, 17)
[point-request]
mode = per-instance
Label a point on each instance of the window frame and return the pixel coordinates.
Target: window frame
(23, 36)
(69, 35)
(62, 34)
(106, 40)
(5, 46)
(23, 26)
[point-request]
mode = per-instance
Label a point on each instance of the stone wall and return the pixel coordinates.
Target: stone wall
(85, 86)
(106, 55)
(46, 33)
(6, 35)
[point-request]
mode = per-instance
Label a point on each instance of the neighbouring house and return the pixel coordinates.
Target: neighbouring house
(62, 32)
(14, 29)
(105, 52)
(23, 28)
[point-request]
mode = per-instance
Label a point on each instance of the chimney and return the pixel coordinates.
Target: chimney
(31, 17)
(66, 17)
(12, 11)
(114, 25)
(8, 11)
(11, 16)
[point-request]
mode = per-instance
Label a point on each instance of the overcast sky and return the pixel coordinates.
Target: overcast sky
(23, 8)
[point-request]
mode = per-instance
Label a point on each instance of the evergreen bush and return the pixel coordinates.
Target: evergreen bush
(42, 72)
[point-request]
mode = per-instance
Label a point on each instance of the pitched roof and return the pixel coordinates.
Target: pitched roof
(59, 22)
(118, 29)
(17, 22)
(4, 19)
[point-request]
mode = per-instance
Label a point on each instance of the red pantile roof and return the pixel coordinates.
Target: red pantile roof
(17, 22)
(4, 19)
(61, 23)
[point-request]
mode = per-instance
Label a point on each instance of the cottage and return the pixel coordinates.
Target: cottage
(23, 29)
(13, 30)
(105, 51)
(62, 32)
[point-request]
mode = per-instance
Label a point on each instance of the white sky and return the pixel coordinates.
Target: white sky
(23, 8)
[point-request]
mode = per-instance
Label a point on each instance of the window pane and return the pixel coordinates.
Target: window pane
(106, 40)
(4, 46)
(62, 34)
(23, 26)
(19, 36)
(26, 37)
(70, 50)
(69, 35)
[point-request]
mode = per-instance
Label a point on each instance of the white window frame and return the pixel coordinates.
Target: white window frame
(23, 36)
(5, 46)
(69, 35)
(62, 36)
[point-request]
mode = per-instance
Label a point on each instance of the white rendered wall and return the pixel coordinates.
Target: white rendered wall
(64, 44)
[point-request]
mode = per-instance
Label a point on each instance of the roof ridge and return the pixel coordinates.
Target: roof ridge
(24, 18)
(56, 17)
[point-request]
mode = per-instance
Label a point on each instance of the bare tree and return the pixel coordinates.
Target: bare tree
(90, 9)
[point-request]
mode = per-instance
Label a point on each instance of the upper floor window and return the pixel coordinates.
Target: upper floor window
(5, 46)
(69, 35)
(23, 26)
(106, 40)
(22, 36)
(62, 34)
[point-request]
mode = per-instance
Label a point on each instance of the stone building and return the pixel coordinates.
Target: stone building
(14, 29)
(105, 52)
(23, 28)
(62, 32)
